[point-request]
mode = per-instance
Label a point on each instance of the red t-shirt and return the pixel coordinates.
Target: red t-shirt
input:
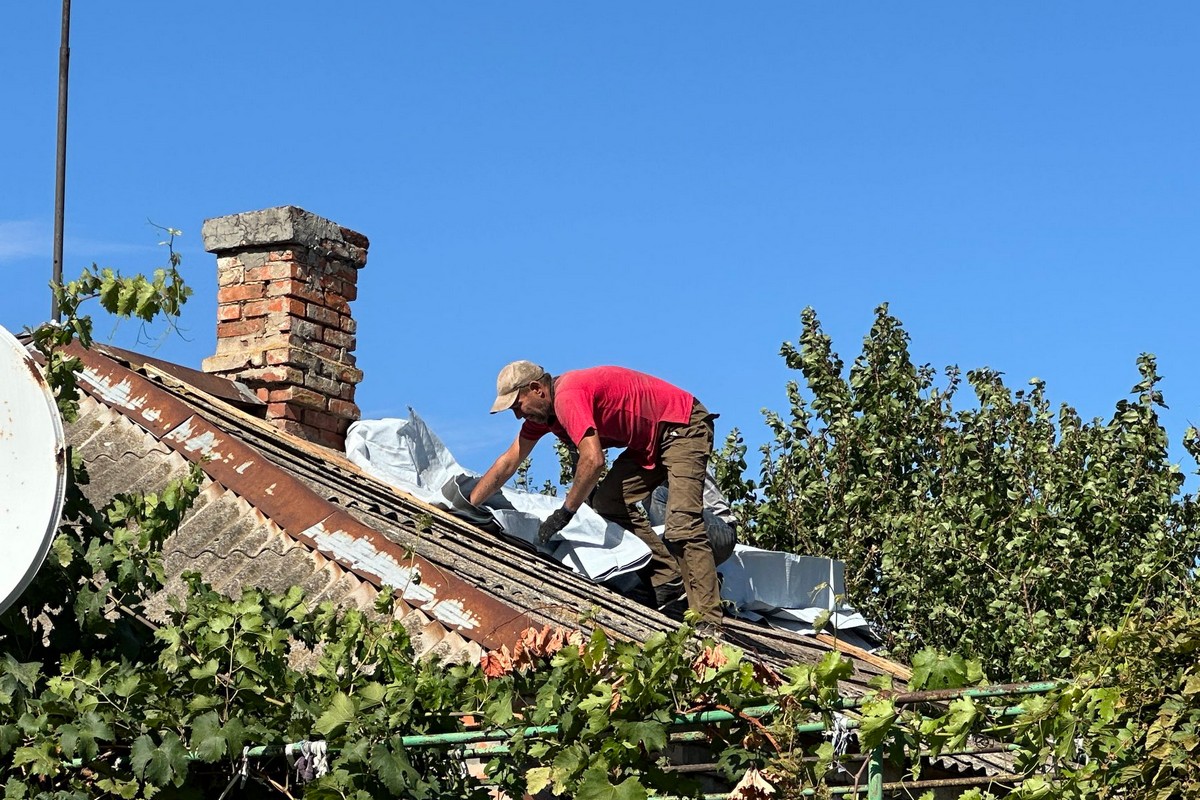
(623, 406)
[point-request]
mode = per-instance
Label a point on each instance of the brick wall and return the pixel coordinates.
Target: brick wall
(285, 281)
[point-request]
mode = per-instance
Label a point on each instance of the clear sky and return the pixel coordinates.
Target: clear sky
(659, 185)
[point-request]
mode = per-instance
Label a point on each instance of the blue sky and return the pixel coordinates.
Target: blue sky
(659, 185)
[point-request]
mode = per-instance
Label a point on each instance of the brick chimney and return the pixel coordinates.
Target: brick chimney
(285, 281)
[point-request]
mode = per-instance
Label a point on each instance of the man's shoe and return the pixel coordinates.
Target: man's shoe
(668, 594)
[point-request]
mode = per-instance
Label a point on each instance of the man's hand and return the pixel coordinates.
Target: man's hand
(554, 523)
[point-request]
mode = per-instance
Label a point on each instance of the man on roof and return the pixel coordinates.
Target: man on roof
(667, 435)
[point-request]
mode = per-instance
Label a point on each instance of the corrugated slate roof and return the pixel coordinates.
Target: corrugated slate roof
(474, 584)
(277, 511)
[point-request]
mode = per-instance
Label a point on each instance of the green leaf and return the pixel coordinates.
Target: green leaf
(651, 735)
(392, 766)
(596, 786)
(833, 668)
(141, 755)
(68, 740)
(536, 779)
(208, 741)
(567, 765)
(370, 695)
(876, 722)
(934, 670)
(342, 710)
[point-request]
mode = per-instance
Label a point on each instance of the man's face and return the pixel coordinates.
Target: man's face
(533, 403)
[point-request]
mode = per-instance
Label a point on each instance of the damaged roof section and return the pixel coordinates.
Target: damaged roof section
(229, 541)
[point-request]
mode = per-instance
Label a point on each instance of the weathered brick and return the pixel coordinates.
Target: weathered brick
(236, 294)
(339, 339)
(255, 308)
(230, 276)
(344, 409)
(286, 305)
(322, 420)
(298, 396)
(336, 302)
(279, 270)
(279, 355)
(305, 331)
(323, 315)
(259, 274)
(333, 368)
(251, 350)
(343, 270)
(283, 411)
(279, 374)
(295, 428)
(290, 287)
(354, 237)
(263, 393)
(325, 386)
(227, 362)
(245, 327)
(349, 324)
(228, 312)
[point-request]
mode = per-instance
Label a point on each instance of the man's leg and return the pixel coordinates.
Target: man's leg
(684, 453)
(616, 499)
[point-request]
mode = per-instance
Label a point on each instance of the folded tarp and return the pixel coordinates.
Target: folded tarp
(409, 456)
(786, 590)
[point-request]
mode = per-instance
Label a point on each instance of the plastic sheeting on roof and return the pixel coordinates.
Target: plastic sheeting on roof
(786, 590)
(408, 455)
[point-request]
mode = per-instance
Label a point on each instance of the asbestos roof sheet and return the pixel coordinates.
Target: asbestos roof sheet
(277, 511)
(287, 511)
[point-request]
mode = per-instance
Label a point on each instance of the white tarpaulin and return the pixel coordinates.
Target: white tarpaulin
(788, 591)
(409, 456)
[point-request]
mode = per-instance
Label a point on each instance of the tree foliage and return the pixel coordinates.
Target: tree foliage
(1004, 530)
(1129, 724)
(96, 700)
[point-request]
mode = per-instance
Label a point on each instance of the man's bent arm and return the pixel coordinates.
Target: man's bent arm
(504, 468)
(587, 471)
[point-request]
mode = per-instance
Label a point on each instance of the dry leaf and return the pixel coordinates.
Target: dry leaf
(752, 786)
(496, 663)
(710, 658)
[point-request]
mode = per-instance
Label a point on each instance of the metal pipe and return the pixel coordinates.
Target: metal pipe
(904, 786)
(875, 775)
(60, 178)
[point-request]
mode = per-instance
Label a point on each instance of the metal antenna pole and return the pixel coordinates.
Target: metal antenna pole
(64, 61)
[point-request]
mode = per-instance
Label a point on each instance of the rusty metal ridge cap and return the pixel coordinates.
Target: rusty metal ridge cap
(297, 510)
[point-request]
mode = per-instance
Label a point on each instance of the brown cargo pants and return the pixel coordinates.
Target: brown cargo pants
(682, 458)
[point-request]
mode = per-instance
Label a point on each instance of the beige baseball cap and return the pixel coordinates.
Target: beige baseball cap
(512, 378)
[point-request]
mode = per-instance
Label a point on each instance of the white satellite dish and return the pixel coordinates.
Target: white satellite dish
(33, 469)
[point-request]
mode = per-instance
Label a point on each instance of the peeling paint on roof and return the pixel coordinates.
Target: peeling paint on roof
(119, 394)
(361, 554)
(205, 444)
(241, 468)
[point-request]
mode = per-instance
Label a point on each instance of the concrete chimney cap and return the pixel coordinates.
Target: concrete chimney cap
(273, 226)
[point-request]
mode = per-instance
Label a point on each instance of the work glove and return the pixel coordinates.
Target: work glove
(554, 523)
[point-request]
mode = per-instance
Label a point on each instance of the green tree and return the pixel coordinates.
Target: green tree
(109, 704)
(1004, 530)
